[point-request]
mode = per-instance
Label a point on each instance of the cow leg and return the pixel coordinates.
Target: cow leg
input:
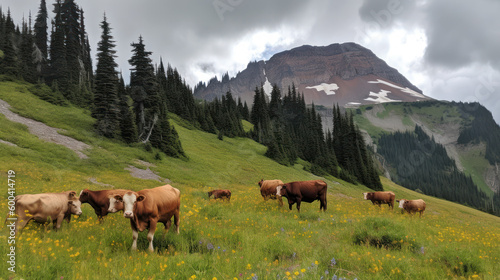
(167, 224)
(177, 220)
(151, 235)
(298, 204)
(58, 221)
(135, 235)
(322, 205)
(290, 206)
(22, 222)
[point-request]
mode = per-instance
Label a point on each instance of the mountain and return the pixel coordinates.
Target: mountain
(347, 74)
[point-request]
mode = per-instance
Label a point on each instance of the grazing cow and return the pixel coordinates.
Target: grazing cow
(412, 206)
(148, 207)
(304, 191)
(100, 200)
(220, 194)
(268, 189)
(41, 207)
(381, 197)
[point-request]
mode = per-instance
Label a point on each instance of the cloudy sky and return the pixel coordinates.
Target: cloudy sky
(448, 48)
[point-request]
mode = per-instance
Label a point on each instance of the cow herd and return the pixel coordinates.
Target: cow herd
(146, 208)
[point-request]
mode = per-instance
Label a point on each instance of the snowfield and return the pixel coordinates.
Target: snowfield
(407, 90)
(380, 97)
(268, 88)
(329, 89)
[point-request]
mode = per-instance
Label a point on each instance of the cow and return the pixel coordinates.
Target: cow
(41, 207)
(100, 200)
(304, 191)
(148, 207)
(412, 206)
(381, 198)
(220, 194)
(268, 189)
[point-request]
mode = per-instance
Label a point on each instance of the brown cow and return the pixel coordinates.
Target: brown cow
(268, 189)
(220, 194)
(148, 207)
(412, 206)
(41, 207)
(100, 200)
(381, 197)
(306, 191)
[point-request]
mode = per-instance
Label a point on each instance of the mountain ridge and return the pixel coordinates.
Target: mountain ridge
(348, 74)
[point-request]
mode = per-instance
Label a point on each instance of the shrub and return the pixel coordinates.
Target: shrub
(382, 233)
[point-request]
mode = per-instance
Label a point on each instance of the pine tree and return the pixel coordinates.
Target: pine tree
(128, 129)
(10, 63)
(106, 109)
(58, 76)
(41, 40)
(27, 67)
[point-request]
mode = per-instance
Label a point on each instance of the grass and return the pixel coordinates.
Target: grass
(247, 238)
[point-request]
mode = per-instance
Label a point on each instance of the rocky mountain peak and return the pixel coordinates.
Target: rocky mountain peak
(348, 74)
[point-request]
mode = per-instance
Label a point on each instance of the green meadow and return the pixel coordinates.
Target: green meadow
(246, 238)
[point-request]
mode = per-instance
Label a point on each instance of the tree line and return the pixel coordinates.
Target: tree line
(292, 130)
(139, 112)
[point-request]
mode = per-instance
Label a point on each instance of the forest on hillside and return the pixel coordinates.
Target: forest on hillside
(419, 163)
(56, 58)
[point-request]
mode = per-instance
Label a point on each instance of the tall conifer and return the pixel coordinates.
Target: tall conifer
(106, 109)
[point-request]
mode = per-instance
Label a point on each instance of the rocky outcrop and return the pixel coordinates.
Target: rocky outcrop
(339, 73)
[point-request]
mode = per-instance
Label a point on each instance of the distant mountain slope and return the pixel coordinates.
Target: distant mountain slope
(347, 74)
(467, 131)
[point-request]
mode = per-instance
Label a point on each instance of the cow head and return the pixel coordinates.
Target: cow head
(84, 196)
(261, 182)
(75, 207)
(129, 201)
(281, 190)
(114, 204)
(401, 203)
(367, 195)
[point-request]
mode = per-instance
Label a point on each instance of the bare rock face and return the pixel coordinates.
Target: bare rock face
(347, 74)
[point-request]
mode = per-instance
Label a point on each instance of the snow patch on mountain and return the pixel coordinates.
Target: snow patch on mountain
(268, 88)
(407, 90)
(380, 97)
(329, 89)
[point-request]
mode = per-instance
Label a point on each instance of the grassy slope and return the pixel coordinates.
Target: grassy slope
(240, 239)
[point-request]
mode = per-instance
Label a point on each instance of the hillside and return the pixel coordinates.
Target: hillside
(446, 123)
(246, 238)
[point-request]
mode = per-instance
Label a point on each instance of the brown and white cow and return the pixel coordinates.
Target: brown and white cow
(41, 207)
(380, 198)
(268, 189)
(304, 191)
(220, 194)
(100, 200)
(148, 207)
(412, 206)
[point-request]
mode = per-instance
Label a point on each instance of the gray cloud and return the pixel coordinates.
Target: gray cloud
(461, 33)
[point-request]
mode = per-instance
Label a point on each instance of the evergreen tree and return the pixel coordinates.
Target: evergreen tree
(150, 107)
(41, 39)
(26, 54)
(128, 129)
(143, 89)
(106, 109)
(58, 76)
(10, 63)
